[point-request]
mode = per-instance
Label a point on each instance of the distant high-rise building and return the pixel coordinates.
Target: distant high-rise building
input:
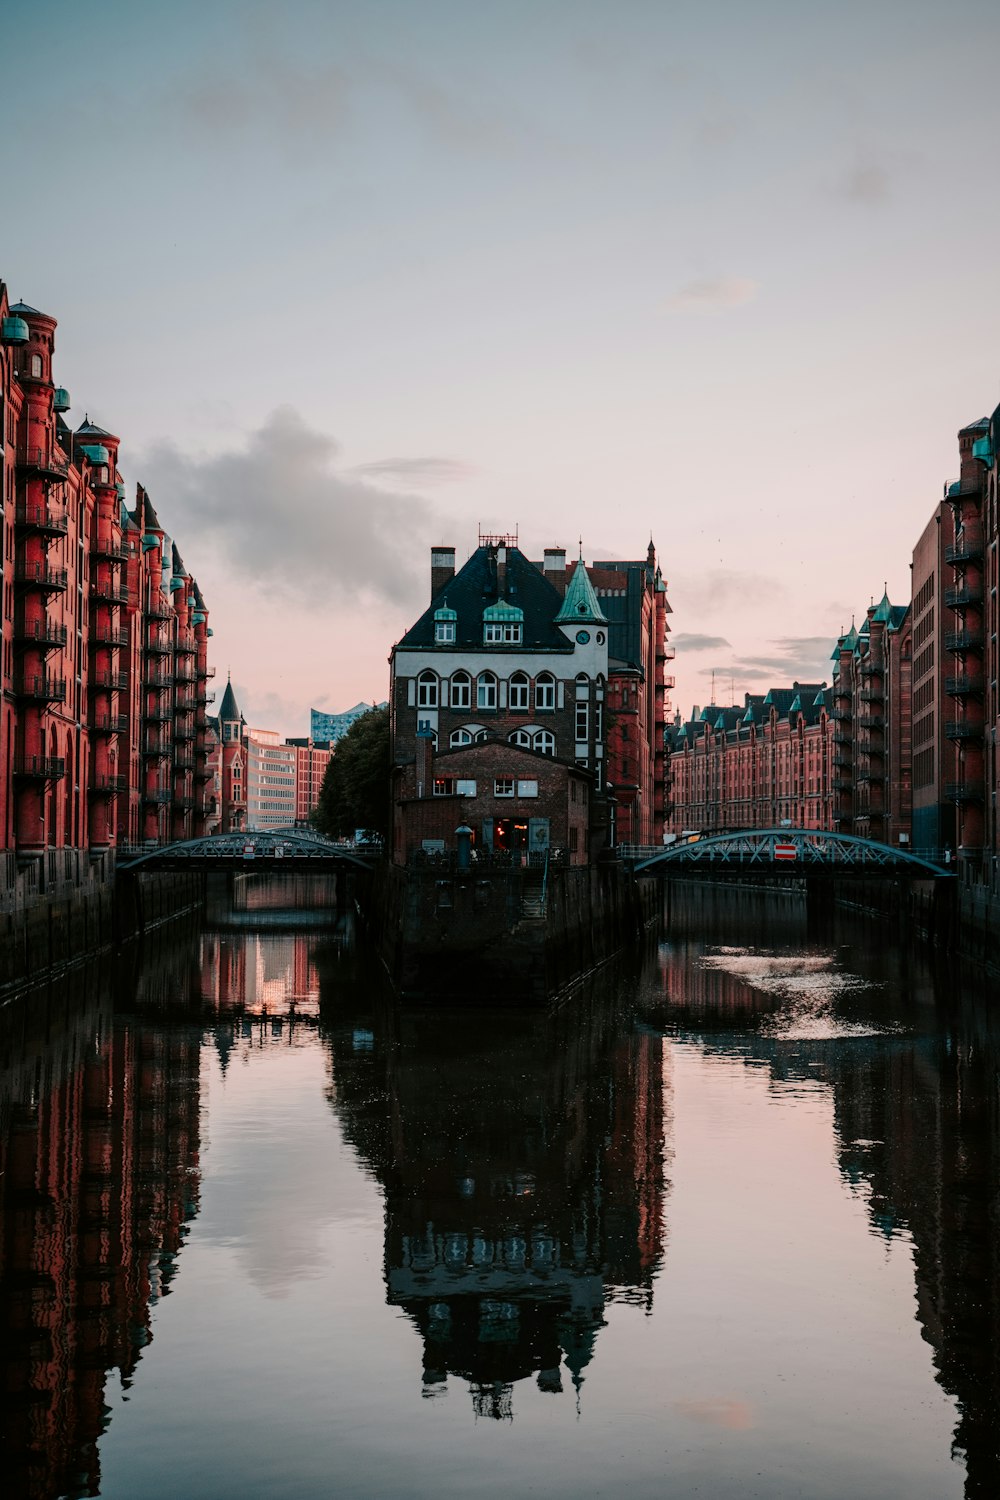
(333, 727)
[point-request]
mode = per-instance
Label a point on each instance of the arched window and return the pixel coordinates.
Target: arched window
(461, 690)
(36, 366)
(545, 742)
(459, 737)
(545, 691)
(427, 690)
(486, 690)
(582, 685)
(518, 691)
(522, 737)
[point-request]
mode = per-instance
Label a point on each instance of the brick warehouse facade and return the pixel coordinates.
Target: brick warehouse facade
(523, 654)
(104, 662)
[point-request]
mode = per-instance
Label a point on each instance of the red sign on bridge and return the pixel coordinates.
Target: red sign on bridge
(785, 851)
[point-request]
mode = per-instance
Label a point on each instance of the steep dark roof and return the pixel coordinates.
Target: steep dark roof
(90, 429)
(20, 308)
(474, 587)
(229, 709)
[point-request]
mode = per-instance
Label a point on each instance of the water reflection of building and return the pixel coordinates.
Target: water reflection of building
(98, 1177)
(917, 1117)
(522, 1161)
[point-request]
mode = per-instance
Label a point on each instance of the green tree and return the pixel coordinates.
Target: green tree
(355, 790)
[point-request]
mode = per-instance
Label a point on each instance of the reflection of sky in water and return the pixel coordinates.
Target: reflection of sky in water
(810, 988)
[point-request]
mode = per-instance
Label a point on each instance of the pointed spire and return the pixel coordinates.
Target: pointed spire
(580, 605)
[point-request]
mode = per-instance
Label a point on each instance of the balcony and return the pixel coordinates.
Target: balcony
(871, 721)
(186, 702)
(963, 729)
(40, 461)
(964, 686)
(184, 760)
(114, 551)
(184, 732)
(842, 784)
(185, 672)
(41, 688)
(157, 609)
(110, 724)
(877, 777)
(159, 795)
(109, 682)
(871, 668)
(206, 671)
(158, 713)
(842, 762)
(203, 773)
(159, 645)
(107, 591)
(109, 635)
(963, 640)
(841, 715)
(963, 791)
(183, 804)
(161, 677)
(107, 786)
(42, 520)
(205, 698)
(840, 738)
(156, 747)
(872, 695)
(40, 767)
(966, 548)
(960, 598)
(40, 577)
(39, 632)
(186, 644)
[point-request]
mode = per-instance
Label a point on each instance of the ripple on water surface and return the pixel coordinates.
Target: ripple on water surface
(811, 989)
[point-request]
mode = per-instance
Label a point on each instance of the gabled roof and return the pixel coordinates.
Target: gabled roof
(580, 606)
(476, 586)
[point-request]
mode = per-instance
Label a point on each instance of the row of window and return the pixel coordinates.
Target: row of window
(461, 688)
(503, 786)
(542, 741)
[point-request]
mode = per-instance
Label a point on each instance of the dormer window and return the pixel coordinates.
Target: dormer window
(503, 624)
(445, 626)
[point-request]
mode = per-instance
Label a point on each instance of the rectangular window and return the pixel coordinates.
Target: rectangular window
(444, 786)
(465, 788)
(496, 634)
(444, 632)
(503, 786)
(574, 840)
(527, 788)
(582, 723)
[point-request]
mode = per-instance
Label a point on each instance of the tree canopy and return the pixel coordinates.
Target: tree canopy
(355, 790)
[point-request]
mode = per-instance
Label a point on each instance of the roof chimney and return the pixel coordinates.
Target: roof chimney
(554, 567)
(442, 568)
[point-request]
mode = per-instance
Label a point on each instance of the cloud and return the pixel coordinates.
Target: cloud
(699, 642)
(272, 95)
(276, 513)
(415, 470)
(729, 586)
(713, 294)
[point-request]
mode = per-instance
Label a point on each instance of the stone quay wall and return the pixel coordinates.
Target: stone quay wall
(68, 907)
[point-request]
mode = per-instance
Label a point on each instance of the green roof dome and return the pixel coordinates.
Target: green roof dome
(501, 610)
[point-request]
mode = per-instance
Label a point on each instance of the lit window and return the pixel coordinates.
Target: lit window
(527, 788)
(503, 786)
(545, 692)
(486, 691)
(427, 690)
(444, 786)
(518, 692)
(461, 690)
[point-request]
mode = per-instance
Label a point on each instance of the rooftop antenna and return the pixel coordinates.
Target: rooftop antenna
(713, 687)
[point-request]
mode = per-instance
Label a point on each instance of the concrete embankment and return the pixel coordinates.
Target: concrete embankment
(500, 935)
(60, 912)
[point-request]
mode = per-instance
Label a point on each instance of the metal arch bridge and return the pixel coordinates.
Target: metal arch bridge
(289, 851)
(780, 853)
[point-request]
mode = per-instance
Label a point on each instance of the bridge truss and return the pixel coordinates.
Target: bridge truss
(288, 851)
(789, 852)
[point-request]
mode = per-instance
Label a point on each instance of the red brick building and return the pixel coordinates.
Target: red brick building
(762, 765)
(534, 655)
(311, 760)
(103, 657)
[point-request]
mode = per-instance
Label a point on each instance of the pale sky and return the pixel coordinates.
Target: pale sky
(351, 279)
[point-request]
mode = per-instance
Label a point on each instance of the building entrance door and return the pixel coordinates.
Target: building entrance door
(509, 836)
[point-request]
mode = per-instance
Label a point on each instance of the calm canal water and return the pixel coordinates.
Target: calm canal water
(726, 1225)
